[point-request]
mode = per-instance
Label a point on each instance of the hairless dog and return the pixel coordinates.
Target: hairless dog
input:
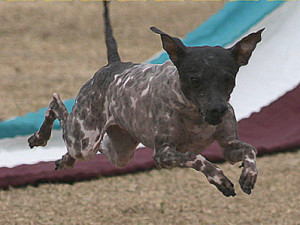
(177, 108)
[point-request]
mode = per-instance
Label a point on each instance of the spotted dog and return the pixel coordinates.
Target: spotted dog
(177, 108)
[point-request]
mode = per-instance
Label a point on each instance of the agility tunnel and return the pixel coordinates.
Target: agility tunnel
(266, 99)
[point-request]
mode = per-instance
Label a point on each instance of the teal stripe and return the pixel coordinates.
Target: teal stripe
(223, 28)
(29, 123)
(229, 24)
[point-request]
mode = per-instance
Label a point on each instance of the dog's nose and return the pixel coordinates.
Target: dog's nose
(218, 111)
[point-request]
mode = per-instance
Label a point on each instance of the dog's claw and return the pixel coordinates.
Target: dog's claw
(57, 164)
(227, 188)
(223, 184)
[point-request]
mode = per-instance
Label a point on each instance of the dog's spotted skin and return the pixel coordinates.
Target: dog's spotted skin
(167, 112)
(177, 108)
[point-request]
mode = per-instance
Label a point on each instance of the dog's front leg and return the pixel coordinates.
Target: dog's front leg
(235, 150)
(167, 157)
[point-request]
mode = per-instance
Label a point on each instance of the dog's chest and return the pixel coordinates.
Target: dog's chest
(194, 137)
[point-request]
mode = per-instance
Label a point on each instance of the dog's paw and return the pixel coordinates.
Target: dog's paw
(57, 164)
(248, 177)
(223, 184)
(65, 162)
(35, 140)
(61, 165)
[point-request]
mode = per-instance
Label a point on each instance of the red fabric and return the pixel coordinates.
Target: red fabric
(45, 171)
(275, 128)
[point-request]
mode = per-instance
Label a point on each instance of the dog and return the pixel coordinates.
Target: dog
(177, 109)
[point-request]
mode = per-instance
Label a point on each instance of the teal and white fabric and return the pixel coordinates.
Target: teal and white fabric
(272, 71)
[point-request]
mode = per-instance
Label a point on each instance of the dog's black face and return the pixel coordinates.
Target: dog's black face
(207, 74)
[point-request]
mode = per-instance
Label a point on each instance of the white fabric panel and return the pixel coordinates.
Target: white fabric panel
(274, 67)
(273, 70)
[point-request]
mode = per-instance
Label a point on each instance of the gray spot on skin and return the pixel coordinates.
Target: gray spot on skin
(77, 132)
(83, 114)
(89, 123)
(68, 141)
(85, 143)
(77, 146)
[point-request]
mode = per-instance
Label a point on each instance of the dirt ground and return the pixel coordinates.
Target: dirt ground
(177, 196)
(51, 47)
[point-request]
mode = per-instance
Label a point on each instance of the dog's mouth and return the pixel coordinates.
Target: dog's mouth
(213, 120)
(210, 119)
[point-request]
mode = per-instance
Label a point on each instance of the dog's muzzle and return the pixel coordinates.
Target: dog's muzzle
(214, 115)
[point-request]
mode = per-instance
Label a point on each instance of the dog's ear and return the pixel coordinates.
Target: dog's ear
(172, 45)
(242, 50)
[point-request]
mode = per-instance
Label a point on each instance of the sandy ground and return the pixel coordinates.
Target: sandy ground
(51, 47)
(177, 196)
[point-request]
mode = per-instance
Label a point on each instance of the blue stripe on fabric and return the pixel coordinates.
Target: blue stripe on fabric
(223, 28)
(29, 123)
(230, 23)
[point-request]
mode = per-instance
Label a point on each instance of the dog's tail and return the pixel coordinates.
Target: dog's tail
(111, 44)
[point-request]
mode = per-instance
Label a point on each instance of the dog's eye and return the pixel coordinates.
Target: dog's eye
(195, 81)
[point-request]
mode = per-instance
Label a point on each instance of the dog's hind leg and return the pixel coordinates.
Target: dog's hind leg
(56, 110)
(65, 162)
(118, 146)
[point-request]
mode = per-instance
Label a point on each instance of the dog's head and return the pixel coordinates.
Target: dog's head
(207, 74)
